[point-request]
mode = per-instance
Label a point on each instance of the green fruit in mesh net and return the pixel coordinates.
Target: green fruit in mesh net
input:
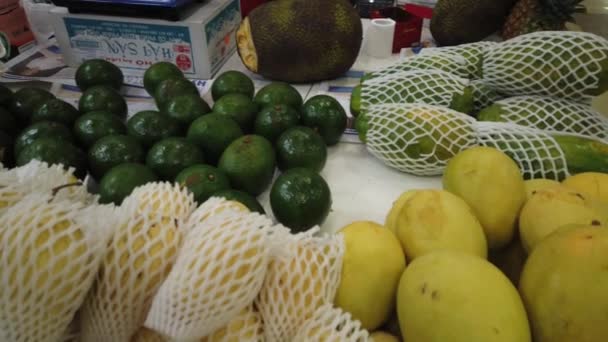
(572, 65)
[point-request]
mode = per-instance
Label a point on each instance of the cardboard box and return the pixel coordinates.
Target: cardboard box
(199, 44)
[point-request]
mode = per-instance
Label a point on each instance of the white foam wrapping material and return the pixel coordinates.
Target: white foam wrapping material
(553, 114)
(165, 198)
(432, 87)
(473, 54)
(299, 282)
(218, 272)
(452, 63)
(139, 258)
(483, 95)
(417, 138)
(50, 251)
(39, 177)
(536, 152)
(561, 64)
(329, 324)
(245, 327)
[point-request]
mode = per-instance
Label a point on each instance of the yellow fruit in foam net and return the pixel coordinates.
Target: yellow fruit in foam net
(49, 253)
(247, 326)
(147, 335)
(139, 258)
(165, 199)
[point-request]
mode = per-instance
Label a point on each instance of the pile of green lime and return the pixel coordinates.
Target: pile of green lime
(231, 149)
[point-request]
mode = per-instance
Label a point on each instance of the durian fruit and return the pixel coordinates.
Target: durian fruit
(50, 251)
(140, 255)
(41, 178)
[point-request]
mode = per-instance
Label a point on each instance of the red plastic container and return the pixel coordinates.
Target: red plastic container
(248, 5)
(408, 28)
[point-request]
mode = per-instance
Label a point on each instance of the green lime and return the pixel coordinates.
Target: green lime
(159, 72)
(274, 120)
(213, 133)
(249, 163)
(95, 72)
(8, 124)
(325, 115)
(7, 157)
(300, 199)
(150, 126)
(120, 181)
(238, 107)
(54, 151)
(203, 180)
(301, 147)
(6, 96)
(168, 157)
(278, 93)
(39, 130)
(96, 125)
(186, 108)
(172, 87)
(103, 98)
(26, 100)
(113, 150)
(232, 82)
(242, 197)
(56, 110)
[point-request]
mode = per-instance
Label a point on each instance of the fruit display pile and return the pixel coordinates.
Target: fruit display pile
(529, 97)
(230, 149)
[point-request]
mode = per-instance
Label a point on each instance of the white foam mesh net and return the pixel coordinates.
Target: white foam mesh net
(245, 327)
(419, 86)
(329, 324)
(536, 152)
(552, 63)
(483, 95)
(418, 138)
(50, 251)
(473, 53)
(298, 283)
(39, 177)
(163, 198)
(139, 258)
(552, 114)
(452, 63)
(218, 273)
(148, 335)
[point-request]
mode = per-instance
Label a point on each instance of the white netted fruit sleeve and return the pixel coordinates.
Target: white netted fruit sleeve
(552, 63)
(329, 324)
(298, 283)
(44, 179)
(50, 251)
(420, 86)
(483, 95)
(139, 258)
(536, 152)
(418, 138)
(452, 63)
(551, 114)
(245, 327)
(218, 273)
(473, 54)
